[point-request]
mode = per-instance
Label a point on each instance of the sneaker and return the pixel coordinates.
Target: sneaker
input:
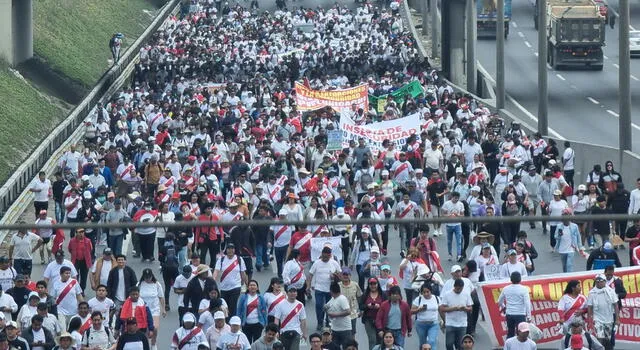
(532, 225)
(544, 231)
(403, 253)
(460, 258)
(450, 257)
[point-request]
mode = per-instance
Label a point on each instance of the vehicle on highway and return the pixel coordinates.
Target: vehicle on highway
(575, 34)
(487, 18)
(634, 42)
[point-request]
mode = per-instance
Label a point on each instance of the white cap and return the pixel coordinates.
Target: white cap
(218, 315)
(371, 186)
(455, 268)
(475, 188)
(87, 195)
(188, 317)
(418, 171)
(340, 211)
(375, 249)
(85, 178)
(366, 230)
(235, 320)
(384, 172)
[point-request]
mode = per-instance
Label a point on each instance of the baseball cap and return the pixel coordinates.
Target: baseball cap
(607, 246)
(486, 245)
(326, 330)
(455, 268)
(600, 277)
(326, 250)
(107, 251)
(132, 320)
(235, 321)
(14, 324)
(375, 249)
(523, 327)
(218, 315)
(512, 252)
(188, 317)
(385, 267)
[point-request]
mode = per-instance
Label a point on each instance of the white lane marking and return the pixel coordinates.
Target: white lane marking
(616, 65)
(560, 77)
(613, 113)
(634, 78)
(521, 34)
(514, 24)
(631, 27)
(527, 43)
(533, 117)
(605, 57)
(574, 87)
(593, 100)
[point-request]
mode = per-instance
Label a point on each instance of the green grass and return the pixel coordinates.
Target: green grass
(72, 36)
(25, 119)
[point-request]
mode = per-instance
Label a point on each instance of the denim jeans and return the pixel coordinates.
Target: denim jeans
(115, 243)
(182, 257)
(321, 299)
(453, 337)
(261, 255)
(59, 212)
(280, 253)
(567, 261)
(457, 230)
(428, 333)
(397, 334)
(23, 266)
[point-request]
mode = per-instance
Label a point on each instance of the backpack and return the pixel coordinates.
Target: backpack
(365, 180)
(170, 257)
(567, 339)
(88, 332)
(112, 42)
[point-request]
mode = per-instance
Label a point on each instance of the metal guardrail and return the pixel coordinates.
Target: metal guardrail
(25, 173)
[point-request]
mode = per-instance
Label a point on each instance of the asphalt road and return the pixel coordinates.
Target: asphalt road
(583, 105)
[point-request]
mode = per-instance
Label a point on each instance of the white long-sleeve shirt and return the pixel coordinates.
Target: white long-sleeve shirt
(634, 201)
(515, 298)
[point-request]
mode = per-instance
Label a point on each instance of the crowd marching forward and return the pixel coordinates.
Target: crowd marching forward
(209, 131)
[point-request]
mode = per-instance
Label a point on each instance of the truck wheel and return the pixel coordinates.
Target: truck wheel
(553, 63)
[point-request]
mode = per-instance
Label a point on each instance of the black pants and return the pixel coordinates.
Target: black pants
(466, 233)
(160, 243)
(181, 311)
(512, 324)
(252, 331)
(37, 206)
(552, 235)
(248, 262)
(290, 340)
(83, 271)
(169, 274)
(24, 266)
(568, 176)
(147, 244)
(231, 297)
(472, 320)
(212, 247)
(302, 294)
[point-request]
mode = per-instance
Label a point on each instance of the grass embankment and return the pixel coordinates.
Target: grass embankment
(72, 36)
(26, 117)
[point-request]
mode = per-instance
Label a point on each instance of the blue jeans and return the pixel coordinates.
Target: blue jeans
(457, 230)
(453, 337)
(23, 266)
(261, 255)
(428, 333)
(567, 261)
(115, 243)
(182, 257)
(321, 299)
(59, 208)
(280, 253)
(397, 334)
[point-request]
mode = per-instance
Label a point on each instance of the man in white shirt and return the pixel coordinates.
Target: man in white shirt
(433, 158)
(7, 305)
(52, 271)
(512, 265)
(634, 199)
(291, 316)
(101, 303)
(456, 274)
(453, 208)
(68, 294)
(321, 275)
(339, 311)
(21, 248)
(515, 300)
(521, 341)
(602, 302)
(455, 306)
(41, 187)
(231, 269)
(568, 160)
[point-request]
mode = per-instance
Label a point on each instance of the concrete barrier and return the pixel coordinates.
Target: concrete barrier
(14, 198)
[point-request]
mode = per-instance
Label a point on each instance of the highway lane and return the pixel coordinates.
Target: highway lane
(583, 105)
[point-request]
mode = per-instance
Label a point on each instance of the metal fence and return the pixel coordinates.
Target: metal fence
(29, 169)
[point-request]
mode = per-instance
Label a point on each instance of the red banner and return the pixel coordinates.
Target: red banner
(309, 99)
(546, 290)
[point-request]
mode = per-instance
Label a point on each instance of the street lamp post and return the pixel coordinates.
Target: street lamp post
(624, 79)
(543, 95)
(500, 93)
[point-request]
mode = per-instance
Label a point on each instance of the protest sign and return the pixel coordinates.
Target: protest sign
(412, 89)
(492, 272)
(396, 131)
(546, 290)
(309, 100)
(334, 140)
(318, 243)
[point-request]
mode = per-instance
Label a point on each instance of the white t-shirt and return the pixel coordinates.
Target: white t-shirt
(431, 313)
(337, 305)
(569, 155)
(38, 336)
(69, 304)
(453, 208)
(603, 301)
(104, 271)
(322, 273)
(231, 280)
(43, 195)
(52, 272)
(206, 319)
(204, 304)
(103, 306)
(22, 245)
(284, 309)
(514, 343)
(271, 298)
(180, 283)
(150, 293)
(6, 278)
(452, 299)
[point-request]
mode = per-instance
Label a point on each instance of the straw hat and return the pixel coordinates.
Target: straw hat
(490, 237)
(65, 335)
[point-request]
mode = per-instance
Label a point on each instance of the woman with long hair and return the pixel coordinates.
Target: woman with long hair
(152, 293)
(293, 274)
(252, 310)
(425, 307)
(74, 329)
(580, 206)
(388, 342)
(370, 302)
(361, 252)
(408, 268)
(213, 297)
(274, 296)
(572, 305)
(485, 259)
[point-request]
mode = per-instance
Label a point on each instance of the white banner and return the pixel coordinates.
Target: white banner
(396, 131)
(320, 242)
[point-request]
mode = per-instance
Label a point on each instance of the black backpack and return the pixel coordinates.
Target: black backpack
(170, 257)
(567, 339)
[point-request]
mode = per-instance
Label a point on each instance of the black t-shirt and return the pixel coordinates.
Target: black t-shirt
(137, 341)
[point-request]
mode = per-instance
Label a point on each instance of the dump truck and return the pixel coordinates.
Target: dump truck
(487, 18)
(575, 34)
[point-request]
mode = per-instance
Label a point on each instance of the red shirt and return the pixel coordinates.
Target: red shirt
(305, 249)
